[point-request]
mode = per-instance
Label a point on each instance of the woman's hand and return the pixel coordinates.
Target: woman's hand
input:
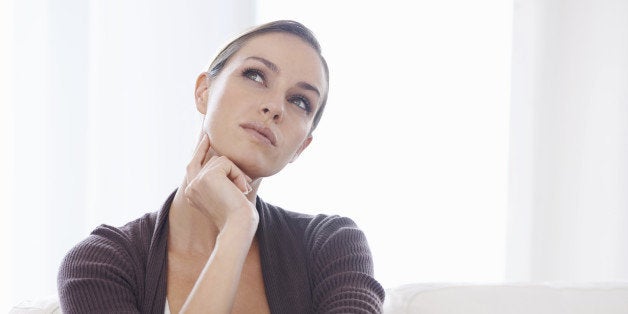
(218, 188)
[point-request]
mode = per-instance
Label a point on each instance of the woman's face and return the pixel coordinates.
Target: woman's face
(259, 109)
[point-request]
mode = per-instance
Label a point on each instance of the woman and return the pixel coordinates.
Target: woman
(215, 247)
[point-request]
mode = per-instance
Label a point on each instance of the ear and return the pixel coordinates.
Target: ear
(305, 144)
(201, 92)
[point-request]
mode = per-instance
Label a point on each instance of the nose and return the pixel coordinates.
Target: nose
(273, 110)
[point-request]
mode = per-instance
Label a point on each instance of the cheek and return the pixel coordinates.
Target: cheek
(218, 108)
(296, 141)
(215, 122)
(300, 130)
(220, 95)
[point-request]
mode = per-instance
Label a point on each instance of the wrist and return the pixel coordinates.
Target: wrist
(243, 221)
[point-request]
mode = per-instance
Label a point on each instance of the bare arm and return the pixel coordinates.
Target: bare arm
(216, 287)
(217, 187)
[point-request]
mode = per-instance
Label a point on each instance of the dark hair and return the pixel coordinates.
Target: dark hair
(281, 26)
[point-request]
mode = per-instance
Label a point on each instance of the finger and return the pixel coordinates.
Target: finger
(235, 174)
(203, 147)
(210, 153)
(240, 179)
(201, 135)
(199, 155)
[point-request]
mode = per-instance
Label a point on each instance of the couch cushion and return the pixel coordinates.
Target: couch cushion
(514, 298)
(44, 305)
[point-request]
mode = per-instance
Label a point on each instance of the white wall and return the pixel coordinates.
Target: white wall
(569, 144)
(98, 122)
(414, 141)
(6, 140)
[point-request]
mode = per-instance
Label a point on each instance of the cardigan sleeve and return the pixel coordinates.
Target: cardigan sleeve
(98, 275)
(341, 268)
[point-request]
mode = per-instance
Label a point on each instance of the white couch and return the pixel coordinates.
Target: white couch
(44, 305)
(508, 298)
(469, 298)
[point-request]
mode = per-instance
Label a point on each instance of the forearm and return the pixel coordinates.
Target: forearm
(216, 287)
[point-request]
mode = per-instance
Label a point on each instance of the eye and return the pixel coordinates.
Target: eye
(254, 75)
(301, 102)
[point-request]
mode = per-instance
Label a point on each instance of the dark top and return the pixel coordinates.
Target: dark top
(310, 264)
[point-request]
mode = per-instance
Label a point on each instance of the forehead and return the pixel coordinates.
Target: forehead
(292, 55)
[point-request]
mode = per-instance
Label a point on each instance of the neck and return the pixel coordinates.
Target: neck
(191, 230)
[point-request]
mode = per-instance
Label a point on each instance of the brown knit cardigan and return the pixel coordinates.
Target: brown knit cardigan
(310, 264)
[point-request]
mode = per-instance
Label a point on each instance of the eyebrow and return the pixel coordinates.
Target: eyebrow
(309, 87)
(267, 63)
(273, 67)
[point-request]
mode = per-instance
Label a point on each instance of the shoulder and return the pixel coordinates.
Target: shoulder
(336, 257)
(117, 269)
(333, 237)
(341, 266)
(316, 231)
(323, 228)
(312, 225)
(322, 237)
(110, 242)
(110, 258)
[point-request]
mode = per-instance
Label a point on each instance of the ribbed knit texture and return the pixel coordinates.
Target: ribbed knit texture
(310, 264)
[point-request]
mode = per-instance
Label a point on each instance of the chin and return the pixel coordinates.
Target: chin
(250, 159)
(255, 167)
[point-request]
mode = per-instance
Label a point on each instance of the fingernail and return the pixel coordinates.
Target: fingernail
(248, 189)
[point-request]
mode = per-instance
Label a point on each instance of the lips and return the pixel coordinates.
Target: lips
(262, 130)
